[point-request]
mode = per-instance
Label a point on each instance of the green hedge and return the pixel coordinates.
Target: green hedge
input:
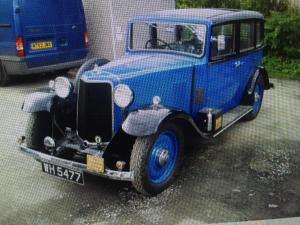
(282, 67)
(282, 33)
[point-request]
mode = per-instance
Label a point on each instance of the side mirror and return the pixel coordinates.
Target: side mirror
(221, 42)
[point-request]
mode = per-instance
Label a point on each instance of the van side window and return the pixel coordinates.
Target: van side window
(247, 36)
(259, 34)
(222, 41)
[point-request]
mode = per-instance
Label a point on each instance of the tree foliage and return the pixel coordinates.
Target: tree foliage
(282, 32)
(263, 6)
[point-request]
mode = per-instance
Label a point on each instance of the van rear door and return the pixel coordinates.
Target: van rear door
(53, 31)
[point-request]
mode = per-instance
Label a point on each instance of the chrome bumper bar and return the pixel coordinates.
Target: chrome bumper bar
(110, 174)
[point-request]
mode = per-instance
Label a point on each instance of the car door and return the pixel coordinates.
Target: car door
(53, 31)
(225, 72)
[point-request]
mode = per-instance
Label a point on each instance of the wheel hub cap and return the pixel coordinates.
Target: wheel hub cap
(162, 157)
(256, 97)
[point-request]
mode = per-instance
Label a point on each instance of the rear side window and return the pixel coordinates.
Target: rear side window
(259, 34)
(222, 41)
(247, 36)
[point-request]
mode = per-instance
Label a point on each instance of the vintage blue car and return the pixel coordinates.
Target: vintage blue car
(187, 70)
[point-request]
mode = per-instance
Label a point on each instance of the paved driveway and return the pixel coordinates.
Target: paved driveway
(249, 172)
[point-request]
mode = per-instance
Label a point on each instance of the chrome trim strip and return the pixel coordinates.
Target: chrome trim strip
(110, 174)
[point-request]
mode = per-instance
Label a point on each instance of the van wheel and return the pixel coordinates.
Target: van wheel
(257, 97)
(155, 159)
(88, 65)
(62, 71)
(4, 78)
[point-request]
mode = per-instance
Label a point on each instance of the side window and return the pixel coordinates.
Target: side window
(247, 36)
(222, 41)
(259, 34)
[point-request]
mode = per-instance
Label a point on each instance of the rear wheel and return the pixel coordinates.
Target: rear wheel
(257, 97)
(155, 159)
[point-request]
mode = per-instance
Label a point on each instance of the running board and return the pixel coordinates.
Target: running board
(233, 116)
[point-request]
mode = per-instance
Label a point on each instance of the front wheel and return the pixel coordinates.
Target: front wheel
(39, 125)
(257, 97)
(155, 159)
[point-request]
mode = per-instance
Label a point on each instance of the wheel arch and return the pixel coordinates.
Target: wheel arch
(147, 120)
(40, 100)
(246, 98)
(264, 73)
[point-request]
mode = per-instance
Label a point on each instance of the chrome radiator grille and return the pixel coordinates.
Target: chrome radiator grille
(95, 111)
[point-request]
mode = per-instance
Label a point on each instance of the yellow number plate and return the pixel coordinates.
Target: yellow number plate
(41, 45)
(218, 123)
(95, 163)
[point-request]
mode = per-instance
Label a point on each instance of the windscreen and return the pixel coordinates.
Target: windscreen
(185, 38)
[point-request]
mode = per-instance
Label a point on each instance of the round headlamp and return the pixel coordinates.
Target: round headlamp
(63, 87)
(123, 95)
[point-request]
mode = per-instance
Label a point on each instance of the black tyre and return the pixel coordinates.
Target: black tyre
(4, 78)
(62, 71)
(155, 159)
(88, 65)
(257, 97)
(39, 125)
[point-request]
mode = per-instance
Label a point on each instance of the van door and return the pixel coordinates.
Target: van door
(7, 29)
(53, 31)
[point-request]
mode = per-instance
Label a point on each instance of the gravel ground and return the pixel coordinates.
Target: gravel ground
(250, 172)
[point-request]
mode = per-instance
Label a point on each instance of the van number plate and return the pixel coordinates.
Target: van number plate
(41, 45)
(62, 172)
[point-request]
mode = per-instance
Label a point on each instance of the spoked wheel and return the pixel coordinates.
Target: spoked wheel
(257, 96)
(155, 159)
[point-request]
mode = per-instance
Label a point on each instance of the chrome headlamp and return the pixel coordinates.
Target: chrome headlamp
(123, 95)
(63, 87)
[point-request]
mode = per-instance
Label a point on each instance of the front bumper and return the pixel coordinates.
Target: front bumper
(110, 174)
(18, 66)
